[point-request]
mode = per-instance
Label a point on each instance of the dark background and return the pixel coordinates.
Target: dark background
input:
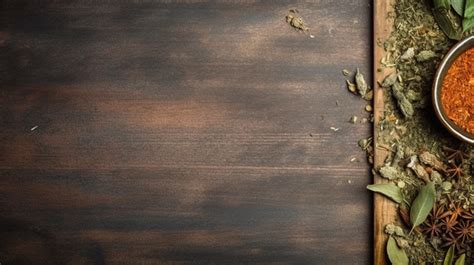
(182, 132)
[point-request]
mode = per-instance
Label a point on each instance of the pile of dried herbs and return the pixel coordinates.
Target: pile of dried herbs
(429, 172)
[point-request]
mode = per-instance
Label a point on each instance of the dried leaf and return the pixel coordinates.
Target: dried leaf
(422, 205)
(458, 6)
(447, 21)
(388, 189)
(448, 259)
(403, 103)
(461, 260)
(468, 21)
(396, 255)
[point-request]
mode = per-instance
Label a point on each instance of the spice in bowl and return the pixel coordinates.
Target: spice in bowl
(457, 92)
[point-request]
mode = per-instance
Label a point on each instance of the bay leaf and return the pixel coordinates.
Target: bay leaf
(422, 205)
(388, 189)
(447, 20)
(448, 260)
(461, 260)
(396, 255)
(468, 21)
(458, 6)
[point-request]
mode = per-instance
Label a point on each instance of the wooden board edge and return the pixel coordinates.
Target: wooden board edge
(385, 211)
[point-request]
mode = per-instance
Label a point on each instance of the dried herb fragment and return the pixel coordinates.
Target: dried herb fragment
(409, 53)
(396, 255)
(389, 172)
(389, 80)
(351, 86)
(361, 84)
(296, 21)
(429, 159)
(388, 189)
(424, 56)
(403, 104)
(422, 205)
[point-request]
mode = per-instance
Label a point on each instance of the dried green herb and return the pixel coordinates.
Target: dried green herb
(448, 259)
(388, 189)
(389, 80)
(295, 20)
(403, 103)
(422, 205)
(461, 260)
(360, 83)
(424, 56)
(351, 86)
(396, 255)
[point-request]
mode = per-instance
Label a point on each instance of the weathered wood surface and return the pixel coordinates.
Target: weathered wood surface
(385, 211)
(188, 132)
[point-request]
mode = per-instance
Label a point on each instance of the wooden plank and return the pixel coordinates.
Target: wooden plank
(182, 132)
(384, 209)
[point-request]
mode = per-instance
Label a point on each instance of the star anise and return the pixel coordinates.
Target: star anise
(468, 215)
(455, 155)
(454, 170)
(450, 239)
(433, 225)
(448, 224)
(464, 231)
(456, 210)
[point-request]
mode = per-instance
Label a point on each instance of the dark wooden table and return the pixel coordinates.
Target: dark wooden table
(187, 132)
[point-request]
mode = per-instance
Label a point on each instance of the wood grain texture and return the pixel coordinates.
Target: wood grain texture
(385, 210)
(182, 132)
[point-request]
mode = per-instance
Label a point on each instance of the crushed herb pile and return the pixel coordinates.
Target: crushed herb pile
(428, 172)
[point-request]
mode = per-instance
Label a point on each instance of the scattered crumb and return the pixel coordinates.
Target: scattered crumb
(34, 128)
(353, 119)
(368, 108)
(353, 159)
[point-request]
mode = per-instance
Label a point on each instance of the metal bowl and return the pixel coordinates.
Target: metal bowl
(446, 63)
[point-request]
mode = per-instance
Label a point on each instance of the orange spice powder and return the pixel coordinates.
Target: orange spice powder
(457, 92)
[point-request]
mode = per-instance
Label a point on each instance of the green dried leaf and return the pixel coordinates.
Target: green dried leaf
(448, 260)
(422, 205)
(396, 255)
(468, 21)
(458, 6)
(388, 189)
(449, 22)
(461, 260)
